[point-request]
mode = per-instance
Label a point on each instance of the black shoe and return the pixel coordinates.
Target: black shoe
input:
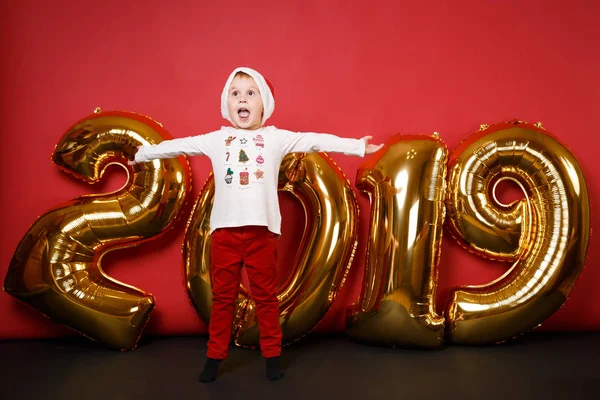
(274, 371)
(209, 373)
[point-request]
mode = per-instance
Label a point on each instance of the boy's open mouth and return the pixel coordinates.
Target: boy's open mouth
(243, 113)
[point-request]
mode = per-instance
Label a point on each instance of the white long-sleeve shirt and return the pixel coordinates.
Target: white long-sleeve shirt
(246, 167)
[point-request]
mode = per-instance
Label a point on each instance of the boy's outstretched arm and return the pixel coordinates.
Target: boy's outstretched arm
(371, 148)
(191, 146)
(308, 142)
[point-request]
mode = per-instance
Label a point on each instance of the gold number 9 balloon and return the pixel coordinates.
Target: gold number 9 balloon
(323, 259)
(56, 267)
(545, 235)
(406, 184)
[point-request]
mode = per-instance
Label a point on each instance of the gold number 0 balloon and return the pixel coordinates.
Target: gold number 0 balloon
(56, 267)
(545, 235)
(323, 259)
(406, 185)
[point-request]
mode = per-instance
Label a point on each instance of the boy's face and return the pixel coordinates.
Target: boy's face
(244, 103)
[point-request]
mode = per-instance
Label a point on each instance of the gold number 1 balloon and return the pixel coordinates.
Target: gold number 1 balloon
(405, 182)
(56, 267)
(545, 235)
(323, 257)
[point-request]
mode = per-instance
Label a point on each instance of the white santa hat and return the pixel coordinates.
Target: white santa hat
(264, 89)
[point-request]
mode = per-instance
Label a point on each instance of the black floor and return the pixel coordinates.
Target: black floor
(536, 366)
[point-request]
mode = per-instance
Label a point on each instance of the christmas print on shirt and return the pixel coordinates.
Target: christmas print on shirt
(259, 141)
(229, 176)
(244, 178)
(242, 156)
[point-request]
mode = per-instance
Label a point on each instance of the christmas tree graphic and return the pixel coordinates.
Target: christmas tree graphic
(243, 156)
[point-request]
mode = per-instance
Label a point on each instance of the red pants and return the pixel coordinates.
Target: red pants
(254, 247)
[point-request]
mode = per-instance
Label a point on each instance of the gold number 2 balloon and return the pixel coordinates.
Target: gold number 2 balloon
(56, 267)
(406, 184)
(545, 235)
(324, 253)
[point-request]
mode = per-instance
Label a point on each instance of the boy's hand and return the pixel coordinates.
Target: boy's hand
(371, 148)
(131, 160)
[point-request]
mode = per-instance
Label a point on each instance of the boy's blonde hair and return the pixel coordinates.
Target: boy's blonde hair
(241, 74)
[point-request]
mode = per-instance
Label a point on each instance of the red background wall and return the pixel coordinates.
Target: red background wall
(377, 68)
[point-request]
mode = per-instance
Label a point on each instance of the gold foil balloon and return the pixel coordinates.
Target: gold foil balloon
(545, 234)
(323, 257)
(405, 182)
(56, 267)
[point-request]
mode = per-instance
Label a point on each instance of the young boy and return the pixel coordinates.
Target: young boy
(245, 220)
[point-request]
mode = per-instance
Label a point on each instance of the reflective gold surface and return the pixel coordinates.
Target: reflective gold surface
(323, 257)
(405, 182)
(56, 267)
(545, 234)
